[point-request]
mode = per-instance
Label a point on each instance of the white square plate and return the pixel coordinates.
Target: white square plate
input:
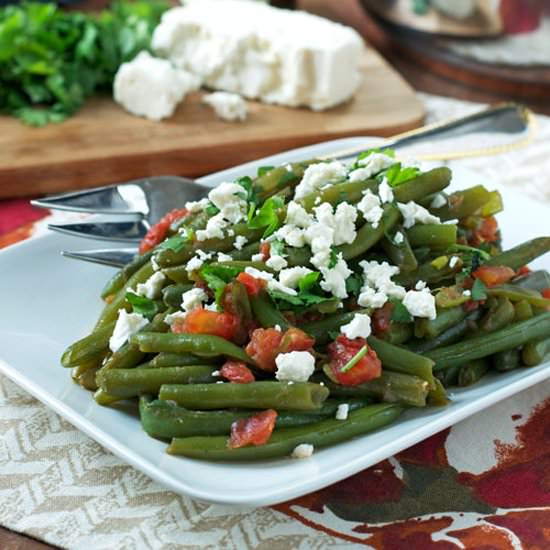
(48, 302)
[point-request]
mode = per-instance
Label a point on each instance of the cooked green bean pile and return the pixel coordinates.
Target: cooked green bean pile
(310, 304)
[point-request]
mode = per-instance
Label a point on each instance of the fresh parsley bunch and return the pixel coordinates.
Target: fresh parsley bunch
(53, 60)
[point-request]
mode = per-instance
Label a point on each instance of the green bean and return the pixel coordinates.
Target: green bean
(110, 311)
(400, 255)
(449, 336)
(402, 360)
(519, 294)
(172, 294)
(103, 398)
(350, 192)
(279, 178)
(500, 316)
(522, 254)
(88, 348)
(129, 355)
(164, 419)
(87, 379)
(493, 205)
(428, 273)
(92, 364)
(448, 377)
(131, 382)
(198, 344)
(436, 236)
(179, 360)
(266, 312)
(368, 236)
(533, 353)
(398, 333)
(463, 203)
(122, 276)
(255, 395)
(437, 397)
(283, 442)
(472, 372)
(446, 318)
(246, 252)
(331, 323)
(391, 387)
(512, 336)
(506, 360)
(427, 183)
(536, 280)
(523, 310)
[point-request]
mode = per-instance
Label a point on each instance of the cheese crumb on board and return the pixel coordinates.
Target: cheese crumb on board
(279, 56)
(152, 88)
(227, 106)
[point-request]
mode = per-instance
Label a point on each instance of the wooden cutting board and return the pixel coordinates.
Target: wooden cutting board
(104, 144)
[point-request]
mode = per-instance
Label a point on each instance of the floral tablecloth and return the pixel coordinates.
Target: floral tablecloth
(482, 484)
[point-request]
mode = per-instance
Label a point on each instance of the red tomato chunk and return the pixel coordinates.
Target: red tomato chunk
(252, 284)
(342, 351)
(237, 372)
(157, 233)
(266, 343)
(202, 321)
(254, 430)
(493, 275)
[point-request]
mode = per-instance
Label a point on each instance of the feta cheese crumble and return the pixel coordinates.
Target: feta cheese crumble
(195, 263)
(453, 261)
(193, 298)
(370, 207)
(304, 450)
(154, 263)
(276, 262)
(151, 87)
(221, 257)
(420, 303)
(334, 279)
(272, 283)
(319, 175)
(193, 207)
(291, 277)
(413, 213)
(127, 325)
(227, 106)
(370, 166)
(398, 238)
(227, 197)
(358, 327)
(240, 241)
(341, 221)
(296, 366)
(342, 411)
(385, 192)
(438, 201)
(152, 286)
(378, 285)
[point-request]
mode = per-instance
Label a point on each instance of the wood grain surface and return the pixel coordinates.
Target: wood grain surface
(103, 144)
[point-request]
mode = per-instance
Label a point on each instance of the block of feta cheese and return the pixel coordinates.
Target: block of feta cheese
(278, 56)
(151, 87)
(226, 105)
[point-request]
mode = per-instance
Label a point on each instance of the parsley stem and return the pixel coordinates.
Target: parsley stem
(465, 248)
(355, 359)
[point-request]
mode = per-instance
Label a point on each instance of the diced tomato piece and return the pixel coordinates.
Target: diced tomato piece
(493, 275)
(253, 285)
(381, 320)
(254, 430)
(266, 343)
(471, 305)
(237, 372)
(545, 293)
(157, 233)
(263, 346)
(487, 232)
(202, 321)
(295, 339)
(342, 351)
(524, 270)
(265, 251)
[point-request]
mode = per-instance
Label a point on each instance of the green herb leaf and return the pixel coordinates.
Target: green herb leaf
(175, 243)
(479, 290)
(267, 216)
(333, 261)
(397, 174)
(262, 170)
(211, 209)
(277, 248)
(217, 277)
(354, 283)
(364, 154)
(333, 334)
(307, 282)
(142, 305)
(400, 313)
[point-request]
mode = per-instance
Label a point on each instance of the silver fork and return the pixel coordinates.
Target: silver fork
(143, 202)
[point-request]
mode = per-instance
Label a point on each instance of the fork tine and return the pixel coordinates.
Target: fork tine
(126, 231)
(113, 257)
(99, 200)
